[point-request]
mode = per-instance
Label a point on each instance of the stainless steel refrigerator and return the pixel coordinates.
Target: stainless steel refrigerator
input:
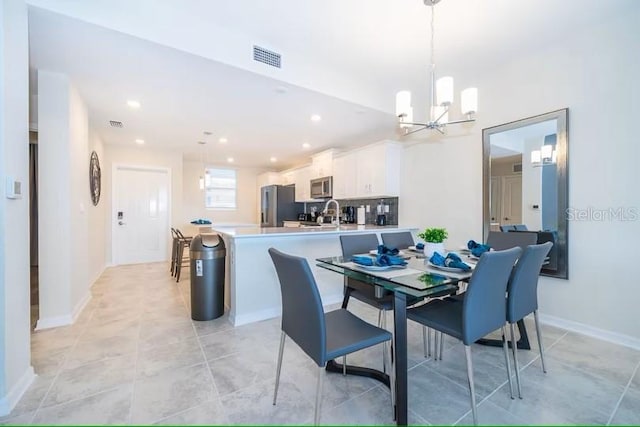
(277, 205)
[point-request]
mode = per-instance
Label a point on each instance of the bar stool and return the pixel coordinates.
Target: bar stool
(179, 260)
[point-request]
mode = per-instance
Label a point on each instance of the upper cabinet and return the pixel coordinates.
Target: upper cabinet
(268, 178)
(371, 171)
(303, 187)
(321, 164)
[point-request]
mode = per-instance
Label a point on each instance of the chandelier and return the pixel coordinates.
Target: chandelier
(543, 157)
(441, 97)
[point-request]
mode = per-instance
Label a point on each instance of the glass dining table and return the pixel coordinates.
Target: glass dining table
(417, 279)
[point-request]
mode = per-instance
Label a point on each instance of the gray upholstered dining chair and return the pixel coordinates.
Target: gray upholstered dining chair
(483, 310)
(504, 240)
(399, 240)
(322, 336)
(522, 297)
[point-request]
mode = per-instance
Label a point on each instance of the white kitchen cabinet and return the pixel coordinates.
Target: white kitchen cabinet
(321, 164)
(372, 171)
(344, 176)
(301, 180)
(287, 178)
(268, 178)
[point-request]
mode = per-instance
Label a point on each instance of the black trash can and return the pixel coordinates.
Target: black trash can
(207, 253)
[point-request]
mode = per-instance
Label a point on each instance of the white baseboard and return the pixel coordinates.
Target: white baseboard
(80, 306)
(65, 319)
(53, 322)
(581, 328)
(270, 313)
(11, 399)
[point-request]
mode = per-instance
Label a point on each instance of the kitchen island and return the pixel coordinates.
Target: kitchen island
(253, 290)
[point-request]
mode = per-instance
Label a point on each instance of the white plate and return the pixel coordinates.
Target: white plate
(375, 252)
(381, 267)
(450, 269)
(464, 249)
(413, 248)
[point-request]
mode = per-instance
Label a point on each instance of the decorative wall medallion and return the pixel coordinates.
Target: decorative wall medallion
(95, 176)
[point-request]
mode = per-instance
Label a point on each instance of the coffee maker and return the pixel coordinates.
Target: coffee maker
(349, 214)
(381, 218)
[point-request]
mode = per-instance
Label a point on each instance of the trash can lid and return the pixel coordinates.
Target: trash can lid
(210, 240)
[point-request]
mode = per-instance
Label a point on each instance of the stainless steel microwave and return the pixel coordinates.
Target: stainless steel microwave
(322, 188)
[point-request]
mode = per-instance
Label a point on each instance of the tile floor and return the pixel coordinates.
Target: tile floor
(135, 357)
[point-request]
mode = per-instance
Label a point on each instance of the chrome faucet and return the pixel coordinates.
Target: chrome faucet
(335, 221)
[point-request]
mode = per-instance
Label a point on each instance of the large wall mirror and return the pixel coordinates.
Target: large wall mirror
(525, 182)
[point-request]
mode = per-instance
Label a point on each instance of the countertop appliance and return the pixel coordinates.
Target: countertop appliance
(322, 188)
(277, 204)
(349, 214)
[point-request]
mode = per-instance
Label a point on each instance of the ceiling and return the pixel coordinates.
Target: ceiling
(189, 64)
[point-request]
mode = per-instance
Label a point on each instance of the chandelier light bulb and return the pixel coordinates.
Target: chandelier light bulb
(437, 111)
(403, 102)
(469, 100)
(444, 91)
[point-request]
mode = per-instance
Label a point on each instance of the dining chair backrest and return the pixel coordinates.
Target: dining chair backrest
(505, 240)
(357, 244)
(505, 228)
(174, 234)
(302, 314)
(484, 308)
(399, 240)
(520, 227)
(180, 235)
(523, 284)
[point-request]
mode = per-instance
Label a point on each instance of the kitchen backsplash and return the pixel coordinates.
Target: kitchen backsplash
(370, 218)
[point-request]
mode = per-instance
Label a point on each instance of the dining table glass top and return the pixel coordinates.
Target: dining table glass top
(418, 278)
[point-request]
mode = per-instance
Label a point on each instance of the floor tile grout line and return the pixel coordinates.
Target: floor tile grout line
(626, 389)
(135, 373)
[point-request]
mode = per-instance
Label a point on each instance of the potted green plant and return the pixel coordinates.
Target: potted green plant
(434, 240)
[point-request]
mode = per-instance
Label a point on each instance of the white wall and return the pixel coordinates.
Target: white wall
(63, 198)
(16, 373)
(141, 156)
(98, 225)
(193, 197)
(594, 74)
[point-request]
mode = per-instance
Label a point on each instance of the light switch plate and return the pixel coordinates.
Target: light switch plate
(13, 188)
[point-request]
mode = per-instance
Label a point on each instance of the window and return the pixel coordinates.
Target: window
(220, 188)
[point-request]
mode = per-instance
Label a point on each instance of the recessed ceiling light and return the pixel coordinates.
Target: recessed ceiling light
(315, 117)
(230, 159)
(202, 142)
(273, 159)
(282, 89)
(139, 141)
(206, 132)
(306, 145)
(133, 103)
(223, 140)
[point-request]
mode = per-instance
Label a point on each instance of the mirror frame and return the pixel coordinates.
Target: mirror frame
(562, 160)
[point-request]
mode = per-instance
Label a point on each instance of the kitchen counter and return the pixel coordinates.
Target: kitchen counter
(254, 290)
(325, 229)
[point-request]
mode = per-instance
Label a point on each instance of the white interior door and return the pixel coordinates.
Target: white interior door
(140, 215)
(511, 200)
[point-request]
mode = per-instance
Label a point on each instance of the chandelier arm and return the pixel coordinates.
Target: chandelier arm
(446, 110)
(439, 130)
(416, 130)
(461, 121)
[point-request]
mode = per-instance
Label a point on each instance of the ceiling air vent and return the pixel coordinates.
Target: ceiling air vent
(517, 168)
(115, 124)
(265, 56)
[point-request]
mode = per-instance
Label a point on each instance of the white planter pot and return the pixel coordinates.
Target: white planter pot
(430, 248)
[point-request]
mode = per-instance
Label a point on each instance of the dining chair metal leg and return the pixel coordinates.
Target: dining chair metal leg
(506, 359)
(316, 416)
(429, 342)
(514, 350)
(539, 334)
(441, 344)
(275, 392)
(424, 341)
(472, 390)
(384, 344)
(388, 360)
(435, 345)
(344, 365)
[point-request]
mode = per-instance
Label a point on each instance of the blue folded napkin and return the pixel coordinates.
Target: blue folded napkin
(362, 260)
(452, 260)
(380, 260)
(384, 250)
(419, 246)
(477, 249)
(200, 221)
